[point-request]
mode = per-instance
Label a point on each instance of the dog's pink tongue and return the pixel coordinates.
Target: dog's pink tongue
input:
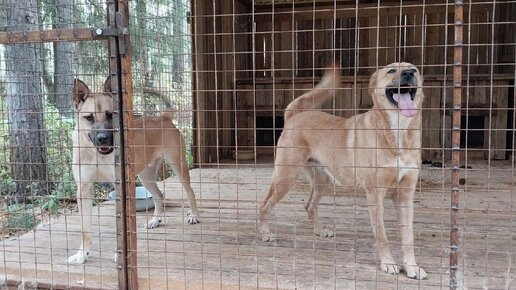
(406, 105)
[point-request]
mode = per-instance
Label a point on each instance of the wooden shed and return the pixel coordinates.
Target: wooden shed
(251, 58)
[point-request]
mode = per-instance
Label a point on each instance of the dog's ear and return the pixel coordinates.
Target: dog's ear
(373, 83)
(108, 88)
(80, 92)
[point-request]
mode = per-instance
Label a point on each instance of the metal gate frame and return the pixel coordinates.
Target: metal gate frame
(119, 50)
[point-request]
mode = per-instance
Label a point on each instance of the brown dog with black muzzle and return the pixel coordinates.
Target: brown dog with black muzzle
(154, 139)
(379, 150)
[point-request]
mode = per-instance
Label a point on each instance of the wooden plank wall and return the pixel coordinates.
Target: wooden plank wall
(265, 98)
(220, 56)
(256, 62)
(487, 98)
(373, 36)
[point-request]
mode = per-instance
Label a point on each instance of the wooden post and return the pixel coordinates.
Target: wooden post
(456, 118)
(120, 70)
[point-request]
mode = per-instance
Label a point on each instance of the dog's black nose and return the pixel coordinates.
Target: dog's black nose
(102, 138)
(408, 73)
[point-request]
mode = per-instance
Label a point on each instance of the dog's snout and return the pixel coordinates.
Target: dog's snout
(408, 73)
(102, 137)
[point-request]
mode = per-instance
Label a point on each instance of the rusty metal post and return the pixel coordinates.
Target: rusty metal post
(456, 116)
(120, 71)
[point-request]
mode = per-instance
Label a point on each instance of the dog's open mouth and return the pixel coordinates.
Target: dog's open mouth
(104, 150)
(403, 98)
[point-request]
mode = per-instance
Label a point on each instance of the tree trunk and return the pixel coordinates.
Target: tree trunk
(179, 34)
(143, 49)
(25, 104)
(144, 57)
(64, 53)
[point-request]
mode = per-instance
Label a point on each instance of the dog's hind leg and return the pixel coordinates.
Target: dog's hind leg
(318, 181)
(85, 206)
(178, 162)
(403, 200)
(287, 166)
(375, 197)
(148, 178)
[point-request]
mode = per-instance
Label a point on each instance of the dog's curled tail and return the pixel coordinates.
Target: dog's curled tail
(168, 111)
(315, 98)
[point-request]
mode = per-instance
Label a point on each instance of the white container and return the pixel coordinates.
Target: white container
(243, 154)
(144, 199)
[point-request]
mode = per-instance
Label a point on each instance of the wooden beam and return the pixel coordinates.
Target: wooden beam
(349, 11)
(56, 35)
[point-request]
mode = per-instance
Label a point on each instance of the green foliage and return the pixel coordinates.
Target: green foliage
(64, 191)
(189, 157)
(66, 188)
(59, 151)
(20, 221)
(59, 154)
(19, 217)
(51, 204)
(7, 184)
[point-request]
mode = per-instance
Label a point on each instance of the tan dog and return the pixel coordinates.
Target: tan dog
(377, 150)
(155, 139)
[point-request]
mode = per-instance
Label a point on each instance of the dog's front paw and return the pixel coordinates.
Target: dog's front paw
(415, 272)
(78, 258)
(390, 267)
(325, 233)
(192, 218)
(268, 237)
(153, 223)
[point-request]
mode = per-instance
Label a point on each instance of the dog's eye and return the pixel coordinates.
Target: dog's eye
(89, 118)
(109, 116)
(391, 71)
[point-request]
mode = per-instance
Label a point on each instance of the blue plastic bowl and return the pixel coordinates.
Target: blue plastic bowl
(143, 198)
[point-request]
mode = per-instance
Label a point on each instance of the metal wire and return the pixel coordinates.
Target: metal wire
(230, 68)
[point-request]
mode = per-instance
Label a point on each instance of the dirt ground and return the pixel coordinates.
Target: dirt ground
(224, 251)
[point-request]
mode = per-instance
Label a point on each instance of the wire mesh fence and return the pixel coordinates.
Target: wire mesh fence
(401, 159)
